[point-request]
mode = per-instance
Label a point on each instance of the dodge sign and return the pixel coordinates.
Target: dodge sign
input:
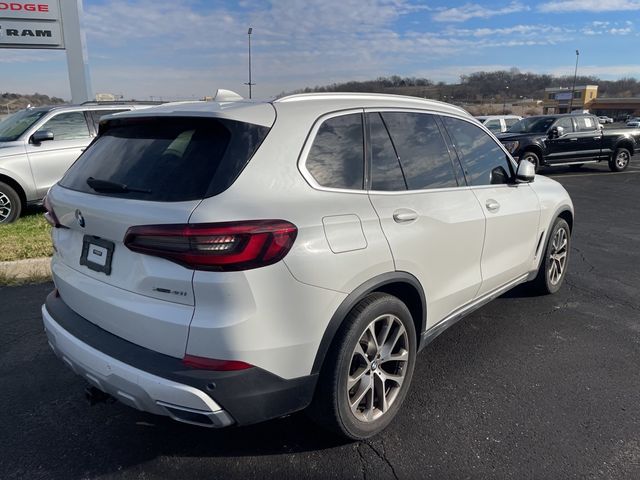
(30, 24)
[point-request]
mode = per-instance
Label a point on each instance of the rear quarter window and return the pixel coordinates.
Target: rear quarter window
(336, 158)
(167, 159)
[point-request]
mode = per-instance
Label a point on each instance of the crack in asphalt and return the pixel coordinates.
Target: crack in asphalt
(599, 294)
(383, 456)
(584, 259)
(362, 461)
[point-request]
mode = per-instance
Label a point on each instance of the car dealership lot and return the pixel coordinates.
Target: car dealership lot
(526, 387)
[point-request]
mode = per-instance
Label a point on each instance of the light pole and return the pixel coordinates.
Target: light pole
(249, 32)
(504, 100)
(573, 88)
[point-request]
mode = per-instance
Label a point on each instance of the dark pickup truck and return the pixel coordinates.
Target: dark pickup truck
(571, 139)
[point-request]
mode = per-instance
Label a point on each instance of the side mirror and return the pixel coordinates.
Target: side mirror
(499, 176)
(526, 172)
(41, 136)
(556, 132)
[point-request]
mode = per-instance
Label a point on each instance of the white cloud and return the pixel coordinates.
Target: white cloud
(561, 6)
(473, 10)
(524, 31)
(608, 28)
(608, 72)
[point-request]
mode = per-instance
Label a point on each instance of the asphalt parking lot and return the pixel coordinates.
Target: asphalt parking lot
(526, 387)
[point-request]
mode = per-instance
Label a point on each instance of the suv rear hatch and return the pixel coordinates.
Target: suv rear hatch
(140, 171)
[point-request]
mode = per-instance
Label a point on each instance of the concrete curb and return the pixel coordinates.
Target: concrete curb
(30, 269)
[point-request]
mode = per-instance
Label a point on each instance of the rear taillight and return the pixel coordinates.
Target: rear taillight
(204, 363)
(50, 215)
(228, 246)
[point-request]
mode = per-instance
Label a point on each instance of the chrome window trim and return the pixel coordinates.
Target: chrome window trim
(308, 143)
(514, 164)
(306, 174)
(49, 116)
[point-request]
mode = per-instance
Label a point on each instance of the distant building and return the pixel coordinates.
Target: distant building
(105, 97)
(616, 108)
(558, 100)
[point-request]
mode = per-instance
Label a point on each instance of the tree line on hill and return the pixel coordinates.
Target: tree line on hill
(12, 102)
(483, 86)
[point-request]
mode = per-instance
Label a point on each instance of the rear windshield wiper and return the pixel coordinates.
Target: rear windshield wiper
(105, 186)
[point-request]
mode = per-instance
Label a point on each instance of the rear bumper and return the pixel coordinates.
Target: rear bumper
(160, 384)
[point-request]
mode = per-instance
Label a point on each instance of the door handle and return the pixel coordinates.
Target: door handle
(573, 139)
(404, 216)
(492, 205)
(597, 138)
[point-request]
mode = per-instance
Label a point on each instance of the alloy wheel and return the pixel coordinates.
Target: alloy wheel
(5, 207)
(558, 256)
(378, 368)
(622, 159)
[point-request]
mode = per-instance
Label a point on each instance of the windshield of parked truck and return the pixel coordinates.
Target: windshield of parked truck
(532, 125)
(14, 126)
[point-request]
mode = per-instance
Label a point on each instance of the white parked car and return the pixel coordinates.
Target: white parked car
(604, 119)
(498, 123)
(633, 122)
(230, 262)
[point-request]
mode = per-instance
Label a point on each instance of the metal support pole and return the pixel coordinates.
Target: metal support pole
(573, 88)
(76, 47)
(249, 32)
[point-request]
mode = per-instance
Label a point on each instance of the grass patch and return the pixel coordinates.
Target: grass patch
(14, 281)
(28, 237)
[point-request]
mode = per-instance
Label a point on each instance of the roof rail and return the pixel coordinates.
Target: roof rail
(123, 102)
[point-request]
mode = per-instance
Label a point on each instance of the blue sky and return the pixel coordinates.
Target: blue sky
(189, 48)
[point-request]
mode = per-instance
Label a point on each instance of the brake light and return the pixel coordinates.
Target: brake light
(228, 246)
(50, 215)
(214, 364)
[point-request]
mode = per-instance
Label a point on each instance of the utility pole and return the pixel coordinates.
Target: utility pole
(249, 82)
(573, 89)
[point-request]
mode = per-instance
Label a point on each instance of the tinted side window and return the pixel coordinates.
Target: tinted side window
(510, 121)
(566, 123)
(336, 158)
(67, 126)
(484, 161)
(423, 153)
(586, 124)
(386, 173)
(493, 125)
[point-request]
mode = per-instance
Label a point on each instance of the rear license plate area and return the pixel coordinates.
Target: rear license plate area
(97, 254)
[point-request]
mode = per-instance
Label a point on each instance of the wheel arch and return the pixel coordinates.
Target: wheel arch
(624, 143)
(566, 213)
(535, 149)
(402, 285)
(567, 216)
(16, 186)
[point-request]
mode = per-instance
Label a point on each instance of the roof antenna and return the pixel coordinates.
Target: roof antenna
(223, 95)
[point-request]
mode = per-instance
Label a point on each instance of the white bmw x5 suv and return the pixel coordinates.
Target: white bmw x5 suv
(224, 263)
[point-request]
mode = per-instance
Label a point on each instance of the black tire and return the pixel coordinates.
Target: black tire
(544, 282)
(620, 159)
(331, 404)
(10, 204)
(531, 157)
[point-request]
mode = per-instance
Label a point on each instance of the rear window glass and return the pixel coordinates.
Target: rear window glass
(166, 159)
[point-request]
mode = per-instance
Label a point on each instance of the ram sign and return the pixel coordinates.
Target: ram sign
(29, 24)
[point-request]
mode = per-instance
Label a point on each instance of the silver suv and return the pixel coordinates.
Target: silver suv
(37, 145)
(225, 263)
